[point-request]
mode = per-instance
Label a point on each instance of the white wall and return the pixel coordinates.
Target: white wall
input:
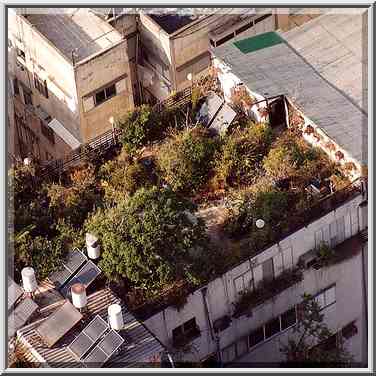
(221, 292)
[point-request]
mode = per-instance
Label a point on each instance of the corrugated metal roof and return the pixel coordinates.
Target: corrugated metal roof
(316, 81)
(139, 347)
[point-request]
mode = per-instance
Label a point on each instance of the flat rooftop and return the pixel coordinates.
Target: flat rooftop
(321, 66)
(78, 30)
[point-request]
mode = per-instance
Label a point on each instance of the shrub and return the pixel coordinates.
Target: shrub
(241, 152)
(139, 126)
(185, 159)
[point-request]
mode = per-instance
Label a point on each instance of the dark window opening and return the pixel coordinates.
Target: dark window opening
(256, 337)
(47, 132)
(16, 87)
(41, 85)
(272, 327)
(27, 97)
(262, 18)
(212, 42)
(105, 94)
(21, 54)
(185, 333)
(349, 330)
(288, 318)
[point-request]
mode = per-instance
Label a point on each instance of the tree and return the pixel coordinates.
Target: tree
(311, 343)
(186, 158)
(151, 240)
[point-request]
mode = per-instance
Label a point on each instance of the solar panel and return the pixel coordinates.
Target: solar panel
(85, 276)
(59, 323)
(96, 328)
(74, 261)
(20, 315)
(104, 350)
(82, 343)
(110, 343)
(14, 292)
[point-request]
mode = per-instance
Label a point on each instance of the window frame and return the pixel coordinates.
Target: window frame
(41, 85)
(27, 94)
(186, 335)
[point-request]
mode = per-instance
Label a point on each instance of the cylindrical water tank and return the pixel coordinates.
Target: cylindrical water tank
(79, 298)
(115, 316)
(29, 281)
(27, 161)
(92, 246)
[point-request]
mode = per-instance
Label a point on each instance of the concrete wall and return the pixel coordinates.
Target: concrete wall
(43, 59)
(95, 73)
(221, 293)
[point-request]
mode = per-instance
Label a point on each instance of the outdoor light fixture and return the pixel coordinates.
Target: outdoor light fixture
(260, 223)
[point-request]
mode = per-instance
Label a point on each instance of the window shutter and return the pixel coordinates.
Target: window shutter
(88, 103)
(121, 86)
(247, 277)
(318, 238)
(341, 229)
(239, 285)
(278, 264)
(287, 258)
(257, 274)
(268, 270)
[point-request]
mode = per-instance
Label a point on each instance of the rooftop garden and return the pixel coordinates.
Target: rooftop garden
(148, 203)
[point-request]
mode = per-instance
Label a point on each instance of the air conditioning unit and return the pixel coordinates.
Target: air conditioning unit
(309, 259)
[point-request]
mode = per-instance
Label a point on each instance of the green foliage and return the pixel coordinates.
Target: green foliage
(307, 347)
(185, 160)
(151, 240)
(122, 177)
(76, 199)
(325, 254)
(241, 152)
(270, 204)
(139, 126)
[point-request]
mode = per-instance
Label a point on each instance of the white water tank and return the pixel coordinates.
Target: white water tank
(79, 298)
(115, 317)
(29, 281)
(27, 161)
(92, 246)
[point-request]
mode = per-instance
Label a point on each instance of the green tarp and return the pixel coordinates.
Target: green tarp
(258, 42)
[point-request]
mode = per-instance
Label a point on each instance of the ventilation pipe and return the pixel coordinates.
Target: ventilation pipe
(115, 317)
(78, 293)
(92, 246)
(29, 281)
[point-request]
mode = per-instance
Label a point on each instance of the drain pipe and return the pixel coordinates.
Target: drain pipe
(214, 337)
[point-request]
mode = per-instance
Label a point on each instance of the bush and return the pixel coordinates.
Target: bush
(122, 177)
(240, 154)
(185, 160)
(139, 126)
(151, 240)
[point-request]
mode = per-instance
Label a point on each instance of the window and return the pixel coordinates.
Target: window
(242, 346)
(326, 297)
(27, 96)
(16, 87)
(349, 330)
(243, 282)
(47, 132)
(185, 333)
(228, 354)
(268, 270)
(105, 94)
(41, 86)
(272, 327)
(21, 54)
(256, 337)
(288, 318)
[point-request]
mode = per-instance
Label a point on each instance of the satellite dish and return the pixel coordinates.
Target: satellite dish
(260, 223)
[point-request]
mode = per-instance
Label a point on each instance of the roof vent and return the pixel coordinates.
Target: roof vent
(29, 281)
(115, 317)
(92, 246)
(79, 298)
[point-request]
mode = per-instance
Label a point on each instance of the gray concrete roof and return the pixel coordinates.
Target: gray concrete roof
(320, 67)
(140, 345)
(76, 29)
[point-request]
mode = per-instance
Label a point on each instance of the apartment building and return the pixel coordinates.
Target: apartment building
(70, 75)
(211, 321)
